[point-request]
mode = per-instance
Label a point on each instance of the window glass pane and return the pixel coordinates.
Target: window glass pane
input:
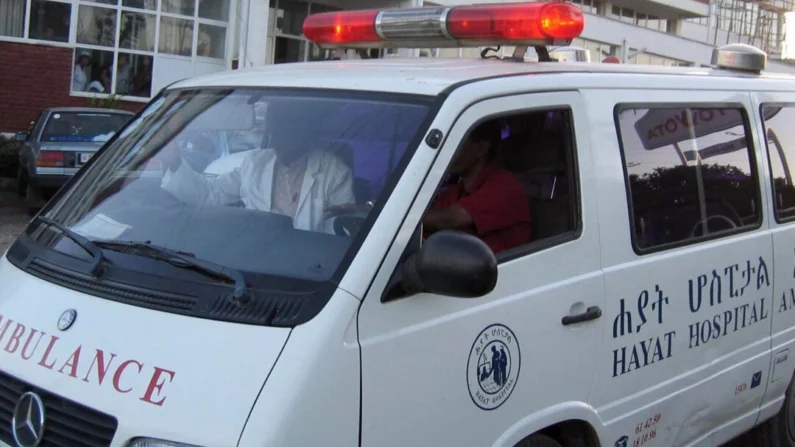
(212, 41)
(134, 75)
(781, 149)
(183, 7)
(362, 142)
(49, 20)
(92, 71)
(142, 4)
(684, 189)
(82, 126)
(290, 16)
(176, 36)
(107, 2)
(288, 50)
(137, 31)
(96, 26)
(12, 18)
(214, 9)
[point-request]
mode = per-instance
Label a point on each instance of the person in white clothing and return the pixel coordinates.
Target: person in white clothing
(286, 179)
(80, 73)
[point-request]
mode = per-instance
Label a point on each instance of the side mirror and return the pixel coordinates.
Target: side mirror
(21, 136)
(451, 263)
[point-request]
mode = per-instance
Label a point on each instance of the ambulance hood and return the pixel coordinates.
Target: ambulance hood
(161, 375)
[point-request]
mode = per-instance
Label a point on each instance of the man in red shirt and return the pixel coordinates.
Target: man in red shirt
(488, 201)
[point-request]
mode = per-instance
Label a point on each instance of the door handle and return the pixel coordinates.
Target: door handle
(592, 313)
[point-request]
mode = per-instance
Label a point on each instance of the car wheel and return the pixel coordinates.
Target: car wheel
(22, 182)
(778, 431)
(539, 440)
(32, 200)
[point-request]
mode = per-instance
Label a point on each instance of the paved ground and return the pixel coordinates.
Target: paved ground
(13, 218)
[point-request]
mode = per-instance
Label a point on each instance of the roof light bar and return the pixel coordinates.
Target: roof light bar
(531, 24)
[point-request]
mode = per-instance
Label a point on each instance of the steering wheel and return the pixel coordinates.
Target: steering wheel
(718, 217)
(349, 223)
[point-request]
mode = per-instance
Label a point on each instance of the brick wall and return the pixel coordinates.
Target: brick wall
(33, 78)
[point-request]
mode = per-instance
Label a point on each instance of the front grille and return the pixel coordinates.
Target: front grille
(68, 424)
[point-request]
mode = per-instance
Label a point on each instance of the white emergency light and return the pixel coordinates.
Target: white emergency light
(520, 24)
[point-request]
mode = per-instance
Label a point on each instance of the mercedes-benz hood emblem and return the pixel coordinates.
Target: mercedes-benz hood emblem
(27, 424)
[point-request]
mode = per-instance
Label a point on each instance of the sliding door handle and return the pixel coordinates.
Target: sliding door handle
(592, 313)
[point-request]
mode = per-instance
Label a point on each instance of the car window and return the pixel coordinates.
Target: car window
(82, 126)
(690, 173)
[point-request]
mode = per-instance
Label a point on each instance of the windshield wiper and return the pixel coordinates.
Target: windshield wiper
(97, 269)
(183, 260)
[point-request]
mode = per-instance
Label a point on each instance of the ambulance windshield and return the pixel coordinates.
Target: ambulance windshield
(277, 184)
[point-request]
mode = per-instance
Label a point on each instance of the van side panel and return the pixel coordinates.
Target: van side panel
(687, 337)
(779, 158)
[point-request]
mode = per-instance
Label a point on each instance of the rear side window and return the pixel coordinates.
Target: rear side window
(778, 121)
(82, 126)
(690, 174)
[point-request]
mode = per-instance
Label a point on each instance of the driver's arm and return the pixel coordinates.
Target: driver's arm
(193, 188)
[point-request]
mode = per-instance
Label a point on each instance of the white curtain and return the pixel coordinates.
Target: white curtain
(176, 36)
(12, 18)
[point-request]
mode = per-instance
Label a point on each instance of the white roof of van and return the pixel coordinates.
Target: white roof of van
(424, 76)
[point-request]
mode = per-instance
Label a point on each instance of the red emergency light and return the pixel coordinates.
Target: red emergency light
(530, 24)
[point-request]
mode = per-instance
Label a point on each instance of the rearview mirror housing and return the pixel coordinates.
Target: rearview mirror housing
(451, 263)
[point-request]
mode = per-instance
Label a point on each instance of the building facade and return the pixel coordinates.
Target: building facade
(63, 52)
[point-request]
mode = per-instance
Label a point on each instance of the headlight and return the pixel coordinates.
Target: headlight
(146, 442)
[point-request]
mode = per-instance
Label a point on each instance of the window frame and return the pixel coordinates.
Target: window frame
(771, 179)
(751, 151)
(572, 164)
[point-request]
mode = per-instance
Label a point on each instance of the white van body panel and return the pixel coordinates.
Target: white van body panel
(203, 376)
(312, 395)
(695, 392)
(365, 372)
(433, 336)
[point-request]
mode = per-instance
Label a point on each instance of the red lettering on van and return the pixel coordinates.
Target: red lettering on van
(120, 371)
(16, 339)
(156, 384)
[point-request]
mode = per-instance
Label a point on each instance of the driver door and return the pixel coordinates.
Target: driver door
(429, 376)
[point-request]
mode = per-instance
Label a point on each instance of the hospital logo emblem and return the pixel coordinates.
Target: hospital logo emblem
(493, 367)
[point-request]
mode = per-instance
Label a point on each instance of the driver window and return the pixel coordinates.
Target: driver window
(512, 183)
(690, 174)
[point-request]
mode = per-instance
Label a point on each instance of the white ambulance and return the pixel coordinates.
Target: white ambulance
(422, 252)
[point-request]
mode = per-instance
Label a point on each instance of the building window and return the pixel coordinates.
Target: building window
(96, 26)
(92, 71)
(50, 20)
(176, 36)
(12, 18)
(137, 31)
(118, 42)
(690, 174)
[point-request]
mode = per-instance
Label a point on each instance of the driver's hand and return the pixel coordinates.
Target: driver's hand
(169, 156)
(336, 210)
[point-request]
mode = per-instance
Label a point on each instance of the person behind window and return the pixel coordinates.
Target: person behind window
(123, 80)
(80, 73)
(487, 201)
(288, 179)
(142, 79)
